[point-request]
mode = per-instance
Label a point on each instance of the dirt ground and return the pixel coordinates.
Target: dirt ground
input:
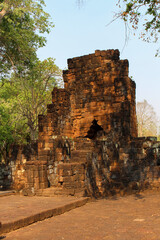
(135, 217)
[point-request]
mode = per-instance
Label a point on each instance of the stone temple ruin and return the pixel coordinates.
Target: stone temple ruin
(88, 141)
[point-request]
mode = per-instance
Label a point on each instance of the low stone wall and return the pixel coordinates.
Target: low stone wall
(123, 169)
(35, 177)
(12, 175)
(98, 167)
(5, 176)
(66, 163)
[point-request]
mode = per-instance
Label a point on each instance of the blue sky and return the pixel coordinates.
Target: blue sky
(80, 31)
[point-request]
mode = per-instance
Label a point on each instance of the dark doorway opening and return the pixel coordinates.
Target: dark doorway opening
(94, 128)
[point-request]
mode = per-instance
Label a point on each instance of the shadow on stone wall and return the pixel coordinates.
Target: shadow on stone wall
(12, 174)
(122, 169)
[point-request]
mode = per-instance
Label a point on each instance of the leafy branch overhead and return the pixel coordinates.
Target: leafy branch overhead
(139, 14)
(144, 14)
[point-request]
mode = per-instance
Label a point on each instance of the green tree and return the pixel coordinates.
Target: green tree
(22, 23)
(30, 92)
(12, 126)
(6, 137)
(25, 82)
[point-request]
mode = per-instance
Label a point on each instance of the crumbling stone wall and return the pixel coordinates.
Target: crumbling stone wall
(98, 96)
(125, 168)
(13, 174)
(88, 140)
(5, 176)
(35, 177)
(97, 87)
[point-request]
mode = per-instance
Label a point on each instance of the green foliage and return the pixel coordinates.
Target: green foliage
(22, 23)
(26, 95)
(6, 129)
(12, 126)
(25, 82)
(129, 7)
(5, 126)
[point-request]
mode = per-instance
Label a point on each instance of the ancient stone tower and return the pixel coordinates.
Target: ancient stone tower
(83, 138)
(97, 88)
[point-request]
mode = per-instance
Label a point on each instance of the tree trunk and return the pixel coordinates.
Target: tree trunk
(33, 135)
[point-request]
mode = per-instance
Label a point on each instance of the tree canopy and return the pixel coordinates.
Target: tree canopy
(22, 23)
(23, 97)
(25, 81)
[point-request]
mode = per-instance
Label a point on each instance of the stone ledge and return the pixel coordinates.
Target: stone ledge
(25, 221)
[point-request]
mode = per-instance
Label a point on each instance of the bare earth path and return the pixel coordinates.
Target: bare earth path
(128, 218)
